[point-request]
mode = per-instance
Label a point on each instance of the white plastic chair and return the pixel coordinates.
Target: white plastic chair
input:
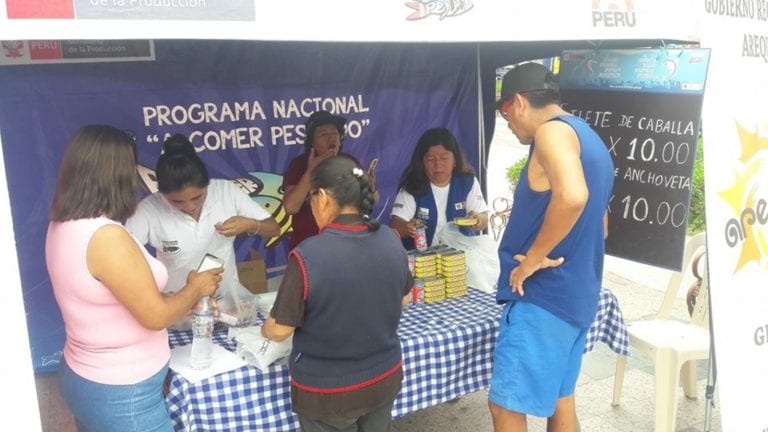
(673, 345)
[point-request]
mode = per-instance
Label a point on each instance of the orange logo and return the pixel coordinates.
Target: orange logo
(746, 197)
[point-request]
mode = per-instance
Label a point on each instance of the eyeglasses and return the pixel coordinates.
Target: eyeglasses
(505, 107)
(508, 104)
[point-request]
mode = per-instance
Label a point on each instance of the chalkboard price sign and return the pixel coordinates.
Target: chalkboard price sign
(650, 127)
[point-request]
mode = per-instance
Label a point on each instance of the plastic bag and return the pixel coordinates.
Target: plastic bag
(238, 302)
(481, 256)
(258, 350)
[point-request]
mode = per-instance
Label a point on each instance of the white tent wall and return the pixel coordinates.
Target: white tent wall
(508, 32)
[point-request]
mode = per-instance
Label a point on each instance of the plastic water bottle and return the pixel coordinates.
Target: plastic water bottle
(202, 335)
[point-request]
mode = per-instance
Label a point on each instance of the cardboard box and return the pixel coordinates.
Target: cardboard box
(253, 273)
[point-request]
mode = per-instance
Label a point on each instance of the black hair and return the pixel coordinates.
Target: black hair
(97, 176)
(542, 98)
(179, 166)
(348, 184)
(414, 179)
(322, 118)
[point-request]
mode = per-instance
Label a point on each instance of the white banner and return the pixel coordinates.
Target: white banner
(350, 20)
(735, 130)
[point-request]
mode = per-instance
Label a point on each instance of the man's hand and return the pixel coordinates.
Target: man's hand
(526, 268)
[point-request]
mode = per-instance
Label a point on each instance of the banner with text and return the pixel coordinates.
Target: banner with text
(244, 105)
(390, 21)
(645, 104)
(735, 125)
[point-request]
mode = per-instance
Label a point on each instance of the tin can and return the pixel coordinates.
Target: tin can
(417, 292)
(420, 238)
(411, 262)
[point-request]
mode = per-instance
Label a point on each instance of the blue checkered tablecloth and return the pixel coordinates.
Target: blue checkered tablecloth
(608, 326)
(447, 352)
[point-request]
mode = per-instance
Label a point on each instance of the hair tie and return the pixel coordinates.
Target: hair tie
(357, 172)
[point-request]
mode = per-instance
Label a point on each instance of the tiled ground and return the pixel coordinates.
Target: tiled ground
(595, 388)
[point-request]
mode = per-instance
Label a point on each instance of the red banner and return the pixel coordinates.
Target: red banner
(40, 9)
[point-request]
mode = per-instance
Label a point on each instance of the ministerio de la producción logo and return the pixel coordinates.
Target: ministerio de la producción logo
(747, 197)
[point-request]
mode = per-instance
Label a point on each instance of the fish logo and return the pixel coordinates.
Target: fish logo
(670, 67)
(441, 8)
(263, 187)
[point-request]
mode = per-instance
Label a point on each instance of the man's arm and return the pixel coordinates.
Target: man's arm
(557, 155)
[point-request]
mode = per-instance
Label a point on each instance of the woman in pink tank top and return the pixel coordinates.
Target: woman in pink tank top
(108, 288)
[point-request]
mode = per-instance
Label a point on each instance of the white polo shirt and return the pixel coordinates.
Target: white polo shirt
(404, 205)
(181, 241)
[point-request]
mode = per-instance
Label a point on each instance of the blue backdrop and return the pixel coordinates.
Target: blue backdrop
(244, 105)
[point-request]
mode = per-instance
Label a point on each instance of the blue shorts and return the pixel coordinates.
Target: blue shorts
(536, 361)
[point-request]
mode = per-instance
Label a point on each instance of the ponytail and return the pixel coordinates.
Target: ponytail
(348, 184)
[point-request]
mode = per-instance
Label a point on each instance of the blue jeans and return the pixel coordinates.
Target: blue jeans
(98, 407)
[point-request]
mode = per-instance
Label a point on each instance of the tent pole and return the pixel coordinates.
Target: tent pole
(709, 403)
(482, 159)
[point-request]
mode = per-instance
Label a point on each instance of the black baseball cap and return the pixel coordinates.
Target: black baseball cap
(320, 118)
(524, 78)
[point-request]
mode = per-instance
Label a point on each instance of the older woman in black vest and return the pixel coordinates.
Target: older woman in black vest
(341, 298)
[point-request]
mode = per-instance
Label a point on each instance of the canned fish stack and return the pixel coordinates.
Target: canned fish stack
(434, 289)
(453, 268)
(425, 264)
(429, 286)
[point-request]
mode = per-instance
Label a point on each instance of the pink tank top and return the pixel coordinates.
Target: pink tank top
(105, 343)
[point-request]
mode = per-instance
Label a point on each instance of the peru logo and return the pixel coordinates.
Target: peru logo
(13, 49)
(613, 13)
(748, 199)
(441, 8)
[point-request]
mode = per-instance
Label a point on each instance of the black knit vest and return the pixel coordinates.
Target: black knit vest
(354, 281)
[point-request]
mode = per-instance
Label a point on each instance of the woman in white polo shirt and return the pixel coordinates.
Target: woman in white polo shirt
(192, 215)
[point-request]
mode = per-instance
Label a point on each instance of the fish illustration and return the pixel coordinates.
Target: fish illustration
(51, 359)
(148, 178)
(266, 189)
(263, 187)
(442, 8)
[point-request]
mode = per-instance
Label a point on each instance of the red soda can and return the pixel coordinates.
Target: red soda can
(420, 238)
(411, 262)
(417, 292)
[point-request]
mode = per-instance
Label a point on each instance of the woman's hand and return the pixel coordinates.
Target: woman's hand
(234, 226)
(411, 226)
(205, 283)
(481, 218)
(314, 159)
